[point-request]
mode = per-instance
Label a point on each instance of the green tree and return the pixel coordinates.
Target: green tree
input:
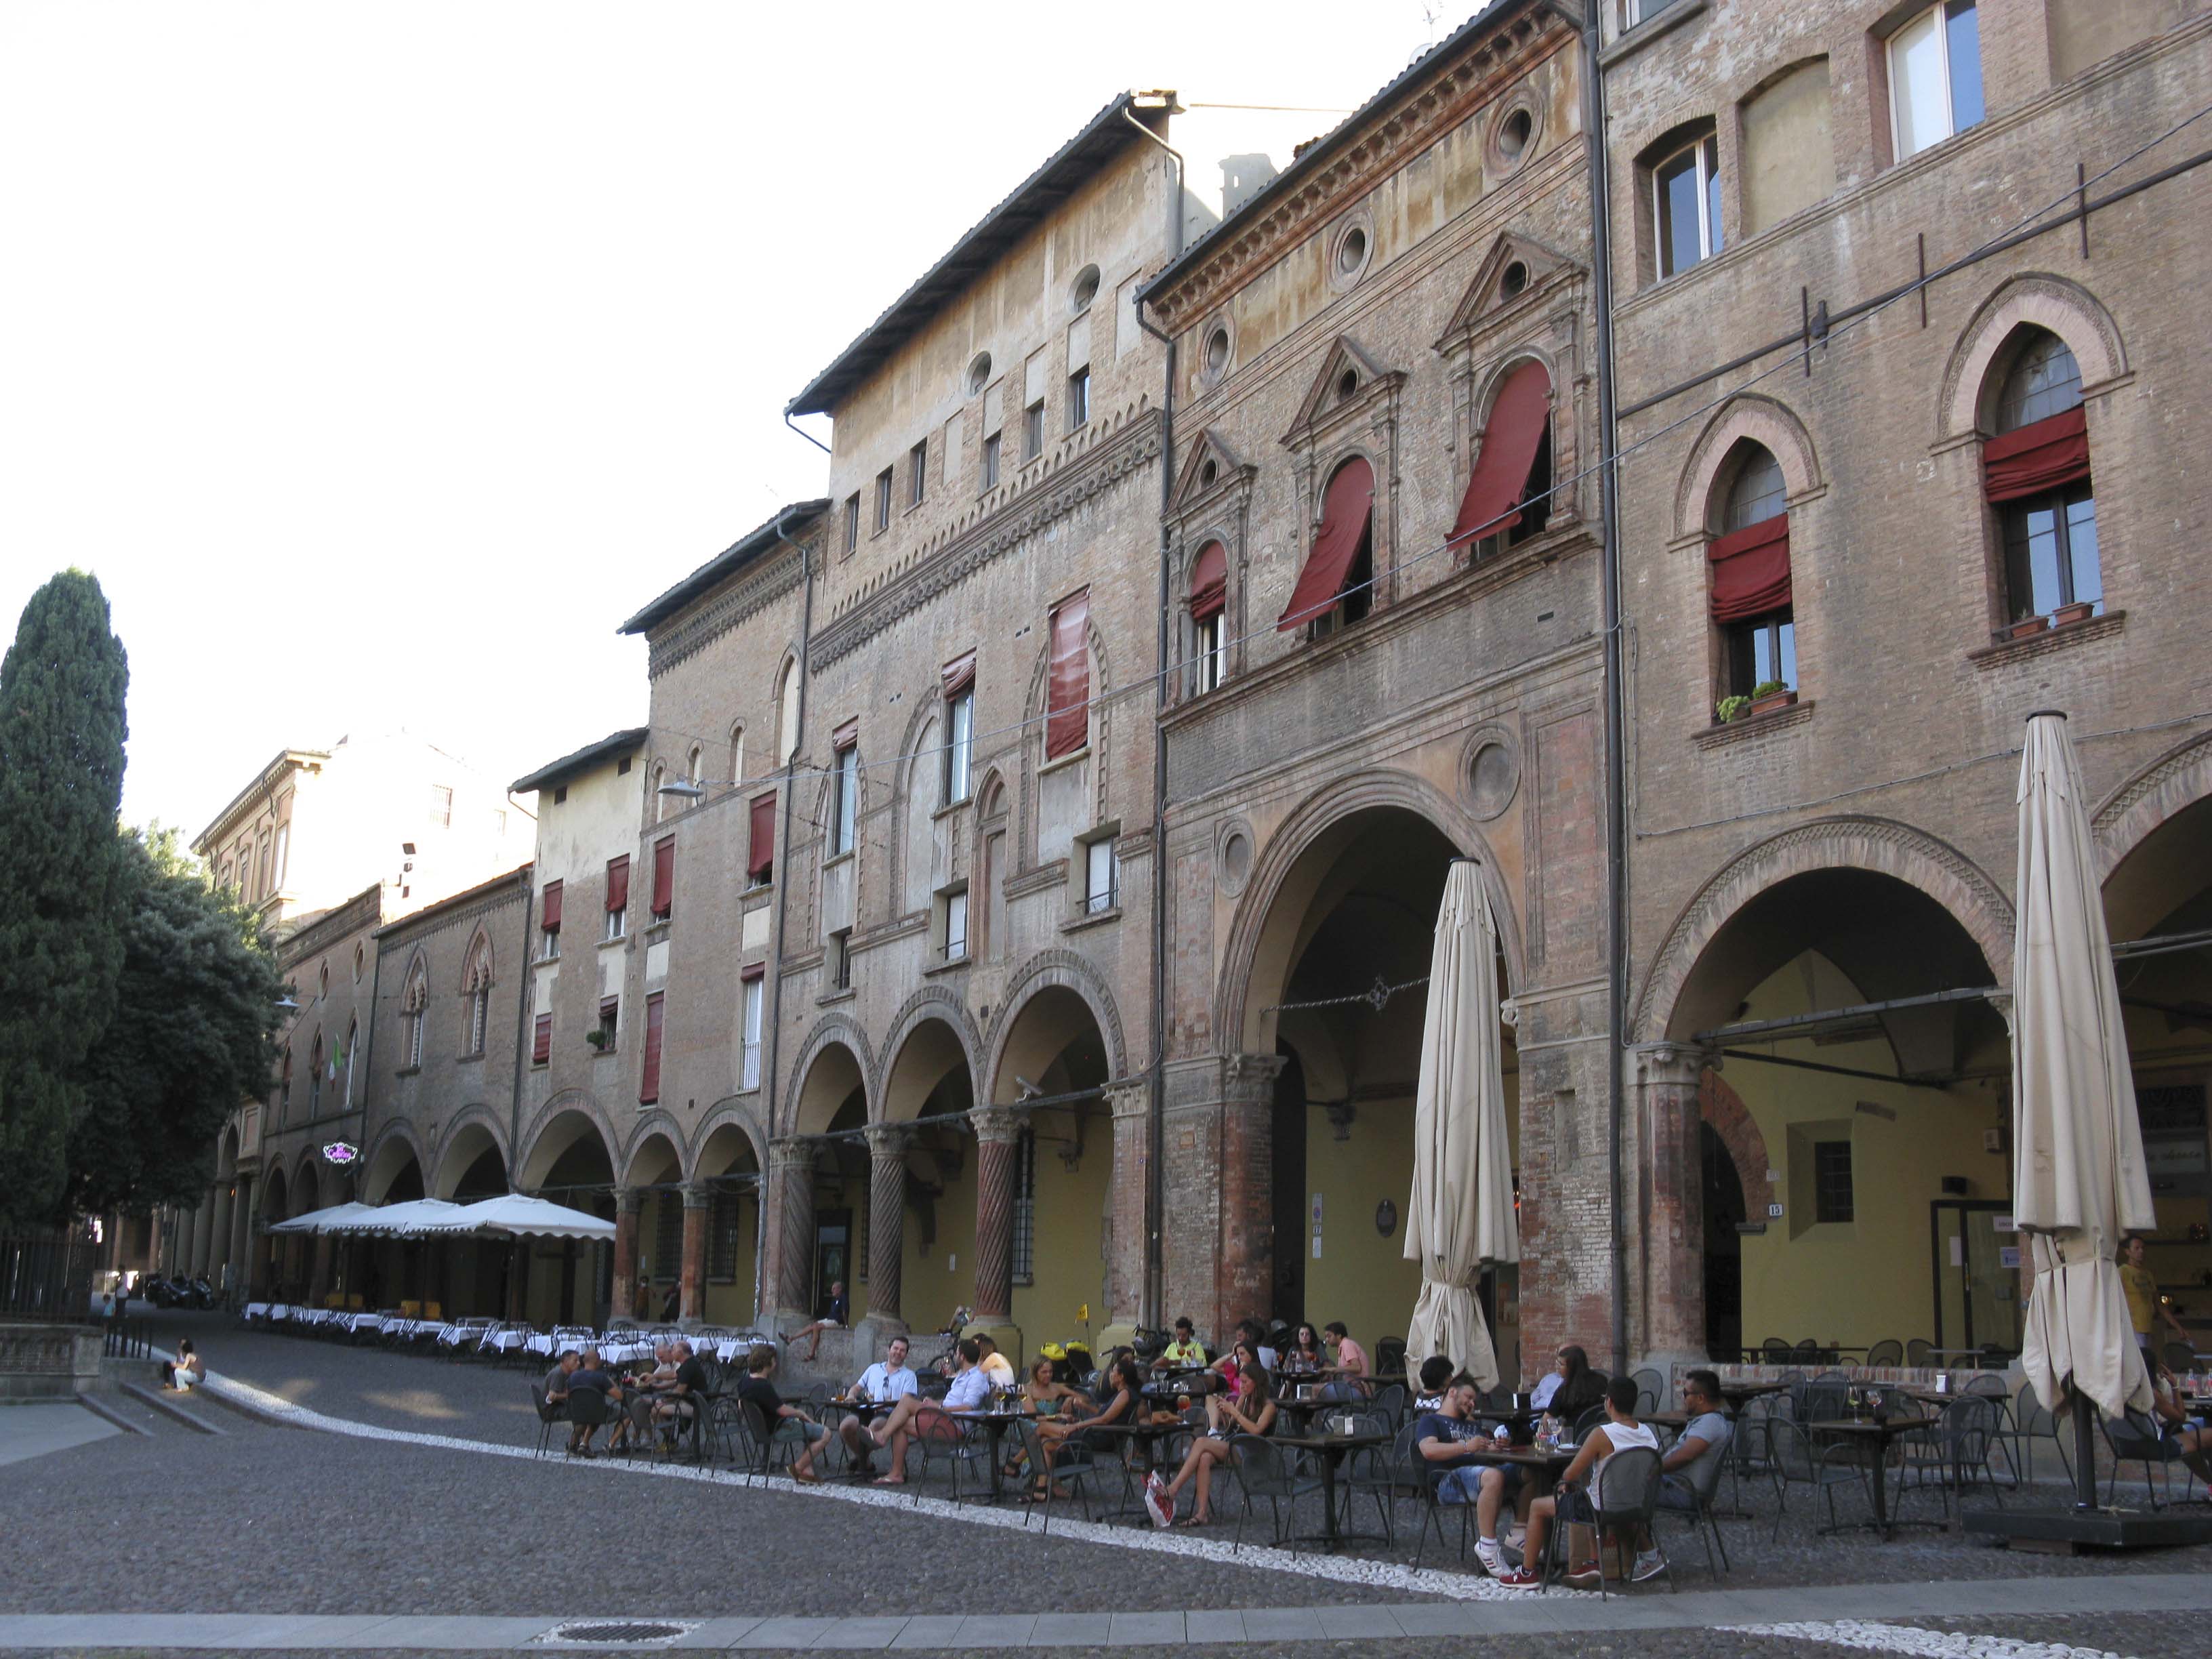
(62, 883)
(193, 1035)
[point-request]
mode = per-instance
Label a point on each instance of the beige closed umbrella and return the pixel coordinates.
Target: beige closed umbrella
(1460, 1215)
(2079, 1183)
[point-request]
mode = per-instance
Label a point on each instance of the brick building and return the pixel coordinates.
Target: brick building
(1921, 520)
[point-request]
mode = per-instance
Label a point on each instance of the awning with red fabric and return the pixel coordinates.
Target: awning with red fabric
(550, 902)
(2047, 454)
(1346, 508)
(1751, 570)
(618, 883)
(959, 675)
(1500, 480)
(1209, 582)
(1067, 682)
(761, 859)
(648, 1088)
(753, 971)
(664, 875)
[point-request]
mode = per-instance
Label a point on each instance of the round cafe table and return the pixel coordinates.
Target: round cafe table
(1331, 1449)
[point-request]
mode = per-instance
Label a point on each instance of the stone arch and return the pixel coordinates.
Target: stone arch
(1485, 395)
(275, 1195)
(380, 1164)
(566, 1127)
(307, 1182)
(1763, 421)
(1882, 846)
(2124, 819)
(568, 1100)
(227, 1154)
(1065, 971)
(1731, 1120)
(2034, 299)
(732, 1110)
(472, 1130)
(837, 1030)
(932, 1004)
(1238, 1020)
(651, 1125)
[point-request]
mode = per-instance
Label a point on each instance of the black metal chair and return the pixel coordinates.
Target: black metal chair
(1888, 1351)
(549, 1411)
(1073, 1464)
(1650, 1390)
(1704, 1479)
(1797, 1462)
(1379, 1471)
(588, 1410)
(1624, 1500)
(1391, 1403)
(2134, 1439)
(1262, 1471)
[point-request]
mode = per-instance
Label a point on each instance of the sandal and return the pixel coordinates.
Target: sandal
(808, 1480)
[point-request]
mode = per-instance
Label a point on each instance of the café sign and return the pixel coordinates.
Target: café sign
(340, 1151)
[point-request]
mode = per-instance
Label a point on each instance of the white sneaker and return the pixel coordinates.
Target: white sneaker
(1493, 1558)
(1155, 1501)
(1649, 1564)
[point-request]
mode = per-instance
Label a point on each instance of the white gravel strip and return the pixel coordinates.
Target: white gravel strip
(1343, 1570)
(1911, 1639)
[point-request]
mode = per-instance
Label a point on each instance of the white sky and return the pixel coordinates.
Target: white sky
(381, 358)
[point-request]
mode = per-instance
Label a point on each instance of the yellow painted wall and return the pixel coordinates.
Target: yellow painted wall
(730, 1302)
(1070, 1270)
(940, 1275)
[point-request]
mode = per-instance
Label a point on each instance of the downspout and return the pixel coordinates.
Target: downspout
(772, 1036)
(368, 1057)
(1156, 1129)
(525, 1009)
(1616, 781)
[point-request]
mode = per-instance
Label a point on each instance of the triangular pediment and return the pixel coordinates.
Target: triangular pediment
(1348, 376)
(1490, 293)
(1210, 464)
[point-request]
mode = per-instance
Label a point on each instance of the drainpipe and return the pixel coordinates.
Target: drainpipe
(1156, 1131)
(1616, 781)
(772, 1037)
(525, 1008)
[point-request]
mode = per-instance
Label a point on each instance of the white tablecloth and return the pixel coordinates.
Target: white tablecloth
(505, 1342)
(257, 1310)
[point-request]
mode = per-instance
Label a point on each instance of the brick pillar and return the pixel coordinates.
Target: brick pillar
(1673, 1227)
(996, 1131)
(694, 1270)
(1129, 1241)
(203, 1235)
(887, 1146)
(319, 1284)
(1247, 1241)
(219, 1254)
(791, 1184)
(628, 1201)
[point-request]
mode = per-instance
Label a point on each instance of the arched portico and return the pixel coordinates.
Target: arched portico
(818, 1173)
(918, 1160)
(570, 1160)
(650, 1226)
(726, 1169)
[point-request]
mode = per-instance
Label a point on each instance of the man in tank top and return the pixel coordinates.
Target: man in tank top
(1619, 1432)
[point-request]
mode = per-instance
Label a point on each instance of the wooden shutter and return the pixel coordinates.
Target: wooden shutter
(648, 1089)
(1067, 682)
(760, 859)
(664, 875)
(550, 900)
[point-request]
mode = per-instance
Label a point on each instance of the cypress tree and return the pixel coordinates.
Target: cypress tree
(63, 888)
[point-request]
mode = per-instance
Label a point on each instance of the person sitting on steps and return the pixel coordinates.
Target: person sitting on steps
(835, 1319)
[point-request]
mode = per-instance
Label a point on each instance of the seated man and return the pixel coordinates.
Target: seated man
(1706, 1436)
(1444, 1439)
(970, 1391)
(2190, 1436)
(1573, 1501)
(840, 1312)
(1350, 1368)
(1185, 1351)
(1436, 1372)
(757, 1391)
(590, 1374)
(686, 1393)
(556, 1380)
(887, 1382)
(188, 1371)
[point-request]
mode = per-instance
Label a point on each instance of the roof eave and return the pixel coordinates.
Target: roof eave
(792, 516)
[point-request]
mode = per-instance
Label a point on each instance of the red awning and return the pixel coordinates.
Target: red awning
(664, 875)
(618, 883)
(1751, 570)
(1517, 420)
(1209, 582)
(1067, 683)
(541, 1041)
(753, 971)
(1345, 510)
(959, 675)
(648, 1088)
(2046, 455)
(550, 903)
(761, 859)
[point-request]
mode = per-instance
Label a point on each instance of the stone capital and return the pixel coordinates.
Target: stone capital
(999, 1125)
(888, 1140)
(2001, 1002)
(1130, 1100)
(628, 1200)
(697, 1195)
(792, 1152)
(1671, 1062)
(1250, 1077)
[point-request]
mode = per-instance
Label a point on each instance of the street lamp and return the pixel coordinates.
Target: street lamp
(683, 790)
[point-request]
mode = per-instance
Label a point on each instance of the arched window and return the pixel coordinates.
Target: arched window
(695, 766)
(315, 1079)
(659, 801)
(738, 754)
(1209, 599)
(414, 1010)
(2036, 474)
(1336, 587)
(1751, 588)
(475, 989)
(786, 713)
(323, 981)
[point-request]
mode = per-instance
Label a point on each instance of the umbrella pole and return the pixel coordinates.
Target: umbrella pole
(2085, 1467)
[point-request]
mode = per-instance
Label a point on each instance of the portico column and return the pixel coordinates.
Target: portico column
(887, 1146)
(628, 1201)
(1248, 1240)
(1129, 1241)
(203, 1235)
(791, 1180)
(1673, 1226)
(241, 1235)
(997, 1128)
(694, 1270)
(219, 1255)
(320, 1285)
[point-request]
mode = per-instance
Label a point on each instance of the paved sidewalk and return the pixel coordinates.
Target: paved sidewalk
(28, 1431)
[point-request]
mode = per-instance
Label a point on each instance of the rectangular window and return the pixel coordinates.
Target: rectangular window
(617, 896)
(1102, 876)
(1762, 652)
(1208, 655)
(723, 1213)
(548, 922)
(841, 960)
(917, 471)
(1024, 1248)
(959, 745)
(610, 1024)
(1936, 77)
(760, 847)
(667, 1236)
(1067, 678)
(664, 877)
(648, 1088)
(283, 851)
(1685, 190)
(883, 500)
(1078, 399)
(990, 462)
(750, 1074)
(441, 807)
(2050, 552)
(541, 1041)
(844, 807)
(1831, 1181)
(1033, 430)
(956, 926)
(852, 522)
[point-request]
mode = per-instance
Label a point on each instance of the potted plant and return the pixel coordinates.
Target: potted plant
(597, 1038)
(1769, 694)
(1730, 709)
(2027, 627)
(2067, 615)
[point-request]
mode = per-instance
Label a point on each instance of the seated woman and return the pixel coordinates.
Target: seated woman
(2190, 1437)
(1093, 1429)
(188, 1371)
(1047, 1396)
(1251, 1410)
(1304, 1357)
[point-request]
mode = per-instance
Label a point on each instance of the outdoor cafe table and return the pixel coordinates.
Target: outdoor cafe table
(1331, 1448)
(1878, 1434)
(1147, 1436)
(996, 1421)
(1741, 1394)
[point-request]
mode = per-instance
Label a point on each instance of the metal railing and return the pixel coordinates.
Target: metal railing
(126, 1339)
(48, 1278)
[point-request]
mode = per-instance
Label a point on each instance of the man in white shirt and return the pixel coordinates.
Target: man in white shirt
(887, 1382)
(970, 1391)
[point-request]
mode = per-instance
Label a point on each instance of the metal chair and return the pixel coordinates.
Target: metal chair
(548, 1414)
(1390, 1354)
(1073, 1464)
(1390, 1403)
(1705, 1483)
(1919, 1351)
(2030, 1421)
(2134, 1439)
(1590, 1420)
(1798, 1463)
(1952, 1452)
(1623, 1501)
(942, 1436)
(588, 1410)
(1650, 1390)
(1888, 1351)
(1379, 1471)
(1776, 1352)
(1263, 1472)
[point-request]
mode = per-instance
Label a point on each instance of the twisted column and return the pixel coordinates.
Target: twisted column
(791, 1179)
(887, 1145)
(997, 1128)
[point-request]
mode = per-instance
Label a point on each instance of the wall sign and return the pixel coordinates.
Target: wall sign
(340, 1151)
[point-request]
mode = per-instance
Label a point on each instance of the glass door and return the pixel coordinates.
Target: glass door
(1976, 1278)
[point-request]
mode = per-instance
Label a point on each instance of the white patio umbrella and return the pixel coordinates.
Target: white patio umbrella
(399, 1220)
(2079, 1183)
(523, 1217)
(333, 1219)
(1460, 1217)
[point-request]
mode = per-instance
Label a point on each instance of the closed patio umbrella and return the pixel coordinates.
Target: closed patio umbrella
(1461, 1216)
(2079, 1182)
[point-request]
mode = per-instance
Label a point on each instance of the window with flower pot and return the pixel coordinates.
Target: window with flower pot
(2036, 474)
(1749, 560)
(1209, 598)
